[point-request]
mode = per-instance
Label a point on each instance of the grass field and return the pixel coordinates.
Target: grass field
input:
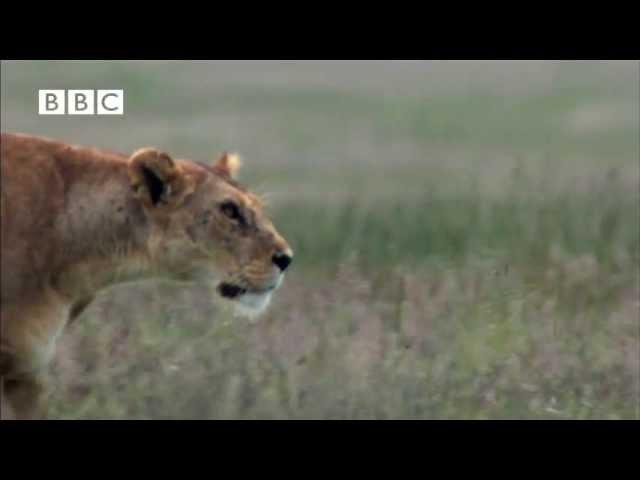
(467, 239)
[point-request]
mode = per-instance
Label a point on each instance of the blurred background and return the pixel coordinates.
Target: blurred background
(466, 238)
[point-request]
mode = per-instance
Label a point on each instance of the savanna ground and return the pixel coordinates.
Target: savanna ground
(466, 238)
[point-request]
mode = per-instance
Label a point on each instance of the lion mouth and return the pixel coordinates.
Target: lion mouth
(228, 290)
(232, 291)
(248, 302)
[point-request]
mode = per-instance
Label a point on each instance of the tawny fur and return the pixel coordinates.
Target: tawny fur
(75, 220)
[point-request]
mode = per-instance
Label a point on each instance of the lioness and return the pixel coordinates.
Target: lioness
(76, 220)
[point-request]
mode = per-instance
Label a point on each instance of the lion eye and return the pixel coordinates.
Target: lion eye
(231, 210)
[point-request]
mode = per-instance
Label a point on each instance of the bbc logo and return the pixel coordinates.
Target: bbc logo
(80, 102)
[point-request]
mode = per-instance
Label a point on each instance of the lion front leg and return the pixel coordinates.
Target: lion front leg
(6, 412)
(23, 398)
(22, 392)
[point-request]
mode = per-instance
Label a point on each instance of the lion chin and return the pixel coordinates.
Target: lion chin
(252, 305)
(247, 303)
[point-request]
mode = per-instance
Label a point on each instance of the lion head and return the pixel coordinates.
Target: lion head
(205, 226)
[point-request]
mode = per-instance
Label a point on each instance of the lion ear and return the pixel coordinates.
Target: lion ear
(155, 177)
(228, 164)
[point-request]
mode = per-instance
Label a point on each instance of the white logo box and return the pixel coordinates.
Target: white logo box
(81, 102)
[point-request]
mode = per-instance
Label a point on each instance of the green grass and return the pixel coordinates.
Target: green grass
(448, 226)
(464, 249)
(515, 307)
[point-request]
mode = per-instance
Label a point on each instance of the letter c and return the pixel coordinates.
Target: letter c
(104, 105)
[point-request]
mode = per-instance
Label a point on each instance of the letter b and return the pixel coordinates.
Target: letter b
(81, 102)
(51, 102)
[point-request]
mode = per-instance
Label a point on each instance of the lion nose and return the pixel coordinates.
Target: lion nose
(282, 260)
